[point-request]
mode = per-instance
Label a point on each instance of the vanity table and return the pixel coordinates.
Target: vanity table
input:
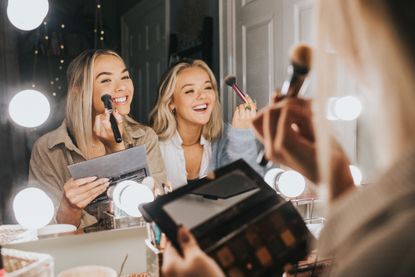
(106, 248)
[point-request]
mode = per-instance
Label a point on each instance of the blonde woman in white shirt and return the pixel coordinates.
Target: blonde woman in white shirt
(187, 118)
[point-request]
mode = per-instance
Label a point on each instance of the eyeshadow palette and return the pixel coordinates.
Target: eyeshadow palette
(237, 219)
(129, 164)
(263, 246)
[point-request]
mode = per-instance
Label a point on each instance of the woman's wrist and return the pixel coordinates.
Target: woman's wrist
(68, 213)
(115, 147)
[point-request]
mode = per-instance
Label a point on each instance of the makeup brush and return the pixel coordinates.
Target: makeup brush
(231, 81)
(301, 57)
(297, 70)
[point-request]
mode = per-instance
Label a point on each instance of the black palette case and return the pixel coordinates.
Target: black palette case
(237, 219)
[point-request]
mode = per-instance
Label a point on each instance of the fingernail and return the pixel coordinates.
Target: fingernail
(184, 237)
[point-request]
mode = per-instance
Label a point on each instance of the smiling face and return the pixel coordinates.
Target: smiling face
(112, 77)
(193, 98)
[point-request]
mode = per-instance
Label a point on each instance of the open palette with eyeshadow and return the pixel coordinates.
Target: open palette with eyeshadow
(237, 219)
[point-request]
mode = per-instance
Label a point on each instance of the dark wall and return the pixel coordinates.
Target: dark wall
(190, 20)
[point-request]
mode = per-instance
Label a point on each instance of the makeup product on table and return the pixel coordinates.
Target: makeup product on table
(237, 219)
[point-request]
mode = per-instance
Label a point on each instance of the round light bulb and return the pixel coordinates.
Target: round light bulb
(32, 208)
(128, 195)
(27, 14)
(356, 174)
(330, 115)
(29, 108)
(291, 183)
(271, 176)
(347, 108)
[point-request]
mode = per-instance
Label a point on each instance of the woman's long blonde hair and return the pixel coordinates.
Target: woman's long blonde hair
(79, 109)
(375, 39)
(162, 119)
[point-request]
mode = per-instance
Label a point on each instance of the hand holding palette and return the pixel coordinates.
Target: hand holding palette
(237, 219)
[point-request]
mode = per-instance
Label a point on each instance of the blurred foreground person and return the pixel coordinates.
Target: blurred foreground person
(369, 232)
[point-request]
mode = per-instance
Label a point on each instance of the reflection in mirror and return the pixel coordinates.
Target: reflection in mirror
(140, 30)
(148, 34)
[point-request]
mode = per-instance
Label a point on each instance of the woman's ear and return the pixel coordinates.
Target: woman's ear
(172, 107)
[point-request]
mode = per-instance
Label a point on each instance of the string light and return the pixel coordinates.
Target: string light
(99, 36)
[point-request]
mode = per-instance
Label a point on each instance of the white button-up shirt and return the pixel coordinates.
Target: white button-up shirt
(174, 160)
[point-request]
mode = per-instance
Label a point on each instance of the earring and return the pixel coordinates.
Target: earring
(173, 111)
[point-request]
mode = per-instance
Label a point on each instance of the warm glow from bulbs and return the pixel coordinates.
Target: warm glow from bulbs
(271, 175)
(356, 174)
(33, 209)
(128, 195)
(345, 108)
(291, 183)
(29, 108)
(27, 14)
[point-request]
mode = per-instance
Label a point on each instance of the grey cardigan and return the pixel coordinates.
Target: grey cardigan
(235, 144)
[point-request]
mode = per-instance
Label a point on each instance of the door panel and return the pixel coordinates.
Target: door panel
(144, 46)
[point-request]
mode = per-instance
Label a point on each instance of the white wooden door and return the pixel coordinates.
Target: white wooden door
(249, 31)
(144, 46)
(256, 38)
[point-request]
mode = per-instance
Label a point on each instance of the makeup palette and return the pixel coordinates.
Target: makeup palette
(237, 219)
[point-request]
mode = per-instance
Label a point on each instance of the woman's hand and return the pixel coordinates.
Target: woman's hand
(103, 130)
(80, 192)
(286, 130)
(77, 195)
(243, 115)
(194, 261)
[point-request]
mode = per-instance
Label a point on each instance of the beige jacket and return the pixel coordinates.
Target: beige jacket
(54, 151)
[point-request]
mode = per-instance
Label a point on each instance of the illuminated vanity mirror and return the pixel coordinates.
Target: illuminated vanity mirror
(148, 35)
(248, 39)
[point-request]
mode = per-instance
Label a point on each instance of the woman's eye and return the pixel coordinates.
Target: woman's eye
(189, 91)
(125, 77)
(208, 88)
(105, 80)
